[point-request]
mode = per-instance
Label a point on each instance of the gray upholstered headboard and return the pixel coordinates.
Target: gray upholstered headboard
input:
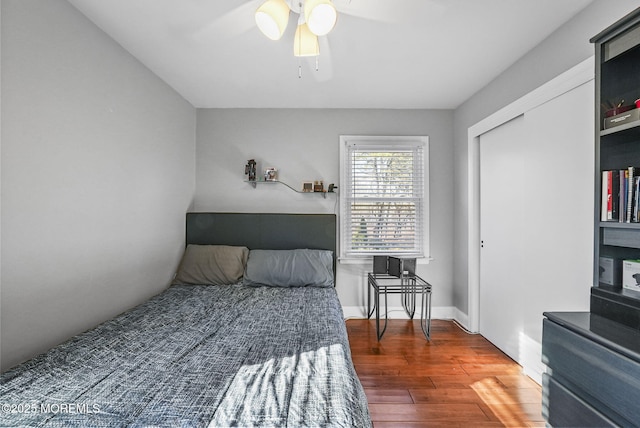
(263, 231)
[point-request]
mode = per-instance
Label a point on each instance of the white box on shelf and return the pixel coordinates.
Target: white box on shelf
(631, 274)
(610, 271)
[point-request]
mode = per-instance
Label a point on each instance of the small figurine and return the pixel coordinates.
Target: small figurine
(250, 169)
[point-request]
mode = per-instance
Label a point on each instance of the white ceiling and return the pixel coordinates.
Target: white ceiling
(381, 54)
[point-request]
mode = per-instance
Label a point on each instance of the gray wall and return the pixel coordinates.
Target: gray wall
(565, 48)
(98, 167)
(304, 145)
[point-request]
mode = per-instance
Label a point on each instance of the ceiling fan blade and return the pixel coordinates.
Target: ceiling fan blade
(393, 12)
(231, 23)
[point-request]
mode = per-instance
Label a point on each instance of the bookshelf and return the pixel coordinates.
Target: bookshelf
(593, 358)
(617, 53)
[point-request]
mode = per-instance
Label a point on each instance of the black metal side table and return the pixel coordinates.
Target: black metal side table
(408, 286)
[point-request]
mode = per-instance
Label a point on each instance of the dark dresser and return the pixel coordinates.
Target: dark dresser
(593, 371)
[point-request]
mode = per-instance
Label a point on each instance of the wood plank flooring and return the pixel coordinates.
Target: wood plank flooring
(456, 380)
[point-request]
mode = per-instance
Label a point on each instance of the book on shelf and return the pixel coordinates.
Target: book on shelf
(636, 197)
(620, 198)
(630, 207)
(610, 195)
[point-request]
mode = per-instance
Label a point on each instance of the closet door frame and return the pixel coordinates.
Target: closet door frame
(576, 76)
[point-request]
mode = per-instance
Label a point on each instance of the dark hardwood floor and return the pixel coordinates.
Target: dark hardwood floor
(456, 380)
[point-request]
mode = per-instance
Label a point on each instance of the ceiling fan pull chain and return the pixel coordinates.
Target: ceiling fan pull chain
(299, 70)
(317, 62)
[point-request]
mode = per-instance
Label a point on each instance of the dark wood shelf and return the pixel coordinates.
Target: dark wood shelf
(619, 225)
(628, 130)
(617, 78)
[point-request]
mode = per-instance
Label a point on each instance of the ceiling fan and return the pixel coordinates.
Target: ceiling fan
(316, 18)
(272, 18)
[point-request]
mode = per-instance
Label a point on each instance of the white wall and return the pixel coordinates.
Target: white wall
(304, 145)
(98, 166)
(565, 48)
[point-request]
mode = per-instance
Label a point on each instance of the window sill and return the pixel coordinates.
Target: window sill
(368, 260)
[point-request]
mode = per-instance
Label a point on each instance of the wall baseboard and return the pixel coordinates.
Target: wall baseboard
(531, 358)
(461, 318)
(396, 312)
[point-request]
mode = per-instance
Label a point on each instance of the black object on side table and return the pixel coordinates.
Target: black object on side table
(393, 275)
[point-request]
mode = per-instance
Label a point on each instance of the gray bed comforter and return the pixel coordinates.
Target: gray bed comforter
(197, 356)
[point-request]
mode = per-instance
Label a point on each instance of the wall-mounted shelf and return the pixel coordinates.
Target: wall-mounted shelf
(254, 184)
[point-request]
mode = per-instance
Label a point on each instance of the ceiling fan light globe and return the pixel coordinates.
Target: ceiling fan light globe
(305, 43)
(321, 16)
(272, 18)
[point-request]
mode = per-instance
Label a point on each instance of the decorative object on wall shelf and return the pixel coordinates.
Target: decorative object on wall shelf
(307, 186)
(250, 170)
(270, 174)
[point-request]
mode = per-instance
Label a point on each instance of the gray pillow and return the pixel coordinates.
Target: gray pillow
(211, 265)
(289, 268)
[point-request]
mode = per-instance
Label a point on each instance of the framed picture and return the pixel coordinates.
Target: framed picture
(270, 174)
(307, 186)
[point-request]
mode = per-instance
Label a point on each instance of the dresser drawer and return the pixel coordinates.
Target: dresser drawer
(565, 409)
(606, 380)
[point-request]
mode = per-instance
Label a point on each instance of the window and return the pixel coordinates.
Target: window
(383, 203)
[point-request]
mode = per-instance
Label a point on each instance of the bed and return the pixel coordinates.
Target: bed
(267, 349)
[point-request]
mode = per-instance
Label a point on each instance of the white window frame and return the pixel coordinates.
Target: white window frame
(383, 142)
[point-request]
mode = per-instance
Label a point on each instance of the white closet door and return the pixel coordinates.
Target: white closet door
(536, 208)
(559, 184)
(501, 214)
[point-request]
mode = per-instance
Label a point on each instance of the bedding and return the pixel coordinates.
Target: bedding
(290, 268)
(198, 356)
(212, 265)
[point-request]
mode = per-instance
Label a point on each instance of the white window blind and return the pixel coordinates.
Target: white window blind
(383, 196)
